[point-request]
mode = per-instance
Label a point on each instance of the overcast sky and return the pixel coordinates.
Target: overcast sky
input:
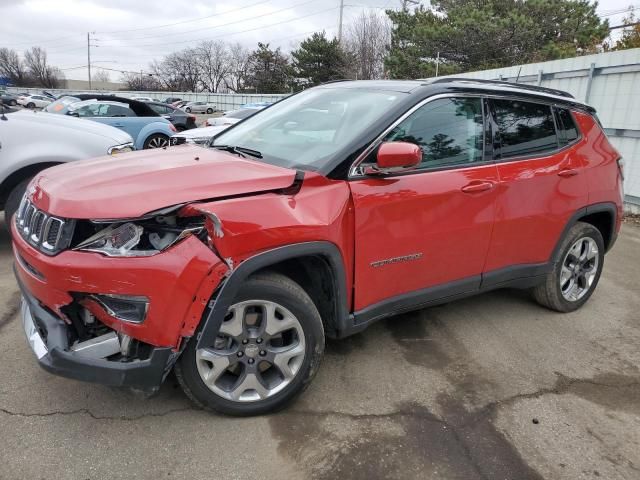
(131, 33)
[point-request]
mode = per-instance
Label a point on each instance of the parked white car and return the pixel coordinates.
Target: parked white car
(199, 136)
(143, 99)
(232, 116)
(34, 101)
(199, 107)
(33, 141)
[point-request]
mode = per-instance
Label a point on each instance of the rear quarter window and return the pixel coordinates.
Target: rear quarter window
(524, 128)
(567, 129)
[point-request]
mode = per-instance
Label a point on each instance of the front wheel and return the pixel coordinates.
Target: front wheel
(267, 350)
(157, 140)
(574, 278)
(188, 110)
(13, 103)
(13, 201)
(209, 110)
(31, 105)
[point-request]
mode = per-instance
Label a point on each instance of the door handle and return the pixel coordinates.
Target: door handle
(569, 172)
(118, 125)
(475, 187)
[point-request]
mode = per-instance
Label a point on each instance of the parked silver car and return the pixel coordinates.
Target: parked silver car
(32, 141)
(199, 107)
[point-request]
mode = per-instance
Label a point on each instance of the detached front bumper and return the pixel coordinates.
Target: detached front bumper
(53, 354)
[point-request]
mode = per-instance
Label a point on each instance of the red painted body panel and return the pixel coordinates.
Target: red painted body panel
(422, 213)
(321, 210)
(136, 183)
(170, 280)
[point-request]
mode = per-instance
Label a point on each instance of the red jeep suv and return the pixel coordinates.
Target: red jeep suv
(334, 208)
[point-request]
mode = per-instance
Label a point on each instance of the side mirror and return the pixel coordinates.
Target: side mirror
(395, 157)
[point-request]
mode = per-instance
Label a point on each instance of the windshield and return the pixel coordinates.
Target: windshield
(306, 130)
(242, 113)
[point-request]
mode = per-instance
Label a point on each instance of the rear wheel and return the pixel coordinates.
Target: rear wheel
(31, 105)
(13, 103)
(576, 275)
(157, 140)
(188, 110)
(267, 350)
(209, 110)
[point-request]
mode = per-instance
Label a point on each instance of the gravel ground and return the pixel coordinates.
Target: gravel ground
(492, 387)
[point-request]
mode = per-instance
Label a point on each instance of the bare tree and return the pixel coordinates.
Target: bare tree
(215, 64)
(39, 69)
(101, 76)
(238, 67)
(12, 67)
(179, 71)
(366, 41)
(141, 81)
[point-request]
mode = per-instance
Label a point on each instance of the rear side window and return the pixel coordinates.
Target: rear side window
(449, 131)
(524, 128)
(567, 130)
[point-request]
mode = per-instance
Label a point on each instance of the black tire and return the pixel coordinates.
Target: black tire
(271, 287)
(209, 111)
(157, 140)
(31, 105)
(13, 201)
(549, 293)
(188, 110)
(13, 103)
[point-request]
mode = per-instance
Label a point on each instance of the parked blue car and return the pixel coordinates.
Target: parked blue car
(146, 127)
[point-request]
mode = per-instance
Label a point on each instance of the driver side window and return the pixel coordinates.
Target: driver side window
(449, 131)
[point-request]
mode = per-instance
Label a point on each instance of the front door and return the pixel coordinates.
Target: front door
(427, 231)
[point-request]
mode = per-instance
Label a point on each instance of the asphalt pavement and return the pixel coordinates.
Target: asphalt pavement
(492, 387)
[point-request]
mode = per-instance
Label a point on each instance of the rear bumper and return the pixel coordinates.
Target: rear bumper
(53, 354)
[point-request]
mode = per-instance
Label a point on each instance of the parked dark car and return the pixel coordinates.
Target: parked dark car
(180, 119)
(172, 99)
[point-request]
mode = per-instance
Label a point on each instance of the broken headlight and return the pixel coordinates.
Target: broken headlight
(140, 238)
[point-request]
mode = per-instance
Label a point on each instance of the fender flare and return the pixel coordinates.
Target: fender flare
(608, 207)
(229, 289)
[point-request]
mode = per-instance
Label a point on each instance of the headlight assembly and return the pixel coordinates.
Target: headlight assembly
(124, 148)
(140, 238)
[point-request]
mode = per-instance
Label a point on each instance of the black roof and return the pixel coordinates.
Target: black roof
(141, 109)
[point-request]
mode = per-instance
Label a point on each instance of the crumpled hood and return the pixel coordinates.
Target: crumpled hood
(133, 184)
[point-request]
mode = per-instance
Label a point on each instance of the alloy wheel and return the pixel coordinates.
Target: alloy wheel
(258, 352)
(579, 269)
(158, 142)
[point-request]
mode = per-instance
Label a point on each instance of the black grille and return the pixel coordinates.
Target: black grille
(48, 234)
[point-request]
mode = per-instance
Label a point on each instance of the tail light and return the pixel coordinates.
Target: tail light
(621, 167)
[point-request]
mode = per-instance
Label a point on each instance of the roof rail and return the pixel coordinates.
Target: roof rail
(521, 86)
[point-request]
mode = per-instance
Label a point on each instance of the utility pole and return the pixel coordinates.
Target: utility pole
(437, 63)
(340, 21)
(89, 57)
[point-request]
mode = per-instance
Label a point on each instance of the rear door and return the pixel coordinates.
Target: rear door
(542, 182)
(427, 232)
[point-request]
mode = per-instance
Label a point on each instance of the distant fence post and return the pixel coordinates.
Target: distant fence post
(587, 93)
(539, 77)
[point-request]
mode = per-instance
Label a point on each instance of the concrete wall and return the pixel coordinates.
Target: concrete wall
(610, 82)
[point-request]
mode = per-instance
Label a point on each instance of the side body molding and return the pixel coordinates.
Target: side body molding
(229, 289)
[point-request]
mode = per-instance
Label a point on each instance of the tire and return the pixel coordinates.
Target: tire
(157, 140)
(13, 201)
(307, 336)
(13, 103)
(209, 111)
(573, 278)
(188, 110)
(31, 105)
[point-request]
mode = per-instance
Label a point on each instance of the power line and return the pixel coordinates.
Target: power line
(244, 20)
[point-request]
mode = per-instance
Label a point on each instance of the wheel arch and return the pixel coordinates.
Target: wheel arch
(602, 216)
(297, 262)
(27, 171)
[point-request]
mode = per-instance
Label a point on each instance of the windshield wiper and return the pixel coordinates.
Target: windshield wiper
(239, 150)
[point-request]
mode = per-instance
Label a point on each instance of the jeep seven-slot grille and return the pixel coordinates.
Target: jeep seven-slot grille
(48, 234)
